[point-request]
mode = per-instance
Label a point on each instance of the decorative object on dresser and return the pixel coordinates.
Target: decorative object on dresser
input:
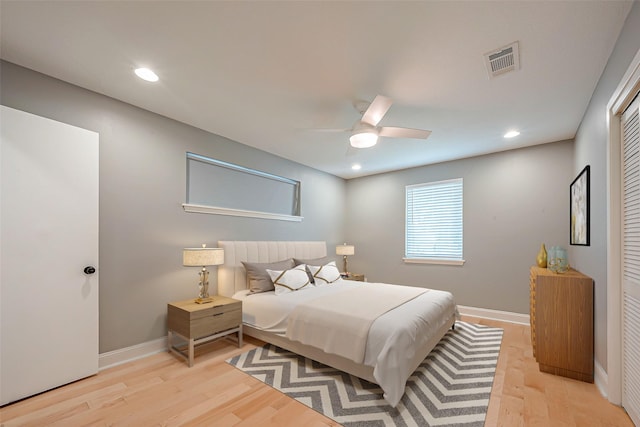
(198, 324)
(345, 250)
(541, 258)
(557, 259)
(202, 257)
(579, 208)
(561, 314)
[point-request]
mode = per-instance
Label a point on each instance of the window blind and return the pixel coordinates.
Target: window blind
(434, 221)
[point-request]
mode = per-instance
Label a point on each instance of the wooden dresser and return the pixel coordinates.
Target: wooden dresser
(561, 310)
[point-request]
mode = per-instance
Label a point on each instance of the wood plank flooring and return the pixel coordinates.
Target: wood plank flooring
(161, 390)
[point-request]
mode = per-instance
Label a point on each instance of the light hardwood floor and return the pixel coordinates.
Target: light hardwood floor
(161, 390)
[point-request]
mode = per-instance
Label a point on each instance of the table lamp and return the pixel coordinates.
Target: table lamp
(202, 257)
(345, 250)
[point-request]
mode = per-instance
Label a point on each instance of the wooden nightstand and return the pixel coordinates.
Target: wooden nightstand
(200, 323)
(354, 276)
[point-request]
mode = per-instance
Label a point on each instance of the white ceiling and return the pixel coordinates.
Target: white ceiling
(266, 73)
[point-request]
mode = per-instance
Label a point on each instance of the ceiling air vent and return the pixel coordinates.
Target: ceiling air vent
(502, 60)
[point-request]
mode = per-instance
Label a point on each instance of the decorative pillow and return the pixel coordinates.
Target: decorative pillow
(290, 280)
(314, 261)
(258, 279)
(325, 274)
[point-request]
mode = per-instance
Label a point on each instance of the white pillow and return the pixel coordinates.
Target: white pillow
(290, 280)
(325, 274)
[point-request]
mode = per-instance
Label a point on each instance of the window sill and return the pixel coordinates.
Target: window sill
(212, 210)
(433, 261)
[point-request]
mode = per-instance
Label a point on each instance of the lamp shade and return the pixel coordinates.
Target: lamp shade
(199, 257)
(345, 250)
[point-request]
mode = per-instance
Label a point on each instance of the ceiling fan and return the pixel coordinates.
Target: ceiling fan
(365, 132)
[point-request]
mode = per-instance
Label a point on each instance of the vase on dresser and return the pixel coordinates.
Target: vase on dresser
(541, 259)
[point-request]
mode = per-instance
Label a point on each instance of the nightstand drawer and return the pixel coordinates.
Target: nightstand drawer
(216, 321)
(215, 309)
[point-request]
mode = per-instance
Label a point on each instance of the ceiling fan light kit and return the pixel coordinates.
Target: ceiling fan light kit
(364, 139)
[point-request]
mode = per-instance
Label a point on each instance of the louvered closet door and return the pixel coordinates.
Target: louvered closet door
(631, 261)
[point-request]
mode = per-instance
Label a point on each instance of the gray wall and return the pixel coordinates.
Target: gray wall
(591, 149)
(143, 227)
(513, 202)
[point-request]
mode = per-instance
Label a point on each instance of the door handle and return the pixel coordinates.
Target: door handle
(89, 270)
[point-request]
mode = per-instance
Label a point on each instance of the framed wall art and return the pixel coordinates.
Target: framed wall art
(579, 209)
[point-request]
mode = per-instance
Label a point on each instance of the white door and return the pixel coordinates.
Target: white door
(49, 234)
(631, 261)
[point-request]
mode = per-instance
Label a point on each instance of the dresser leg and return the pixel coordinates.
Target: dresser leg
(240, 336)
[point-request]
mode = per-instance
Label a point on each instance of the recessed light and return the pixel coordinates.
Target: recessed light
(356, 166)
(511, 134)
(146, 74)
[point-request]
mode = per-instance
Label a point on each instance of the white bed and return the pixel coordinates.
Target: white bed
(397, 343)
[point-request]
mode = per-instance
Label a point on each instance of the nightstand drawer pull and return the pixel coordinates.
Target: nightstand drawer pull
(217, 314)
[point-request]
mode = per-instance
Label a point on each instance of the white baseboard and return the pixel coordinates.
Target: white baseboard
(486, 313)
(128, 354)
(600, 378)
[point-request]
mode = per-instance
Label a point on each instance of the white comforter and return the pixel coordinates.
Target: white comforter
(393, 337)
(340, 323)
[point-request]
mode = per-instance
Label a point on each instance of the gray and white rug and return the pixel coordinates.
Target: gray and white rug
(451, 387)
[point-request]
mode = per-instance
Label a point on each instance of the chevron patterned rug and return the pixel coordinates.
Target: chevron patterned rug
(451, 387)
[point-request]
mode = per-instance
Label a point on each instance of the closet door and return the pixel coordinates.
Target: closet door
(48, 236)
(631, 261)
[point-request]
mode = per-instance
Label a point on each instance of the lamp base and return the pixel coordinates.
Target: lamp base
(203, 300)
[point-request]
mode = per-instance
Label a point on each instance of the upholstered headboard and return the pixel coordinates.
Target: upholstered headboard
(231, 274)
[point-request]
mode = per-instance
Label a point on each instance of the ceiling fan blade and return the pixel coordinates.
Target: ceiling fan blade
(377, 109)
(404, 133)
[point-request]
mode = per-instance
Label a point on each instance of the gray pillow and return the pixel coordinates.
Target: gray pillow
(314, 261)
(258, 279)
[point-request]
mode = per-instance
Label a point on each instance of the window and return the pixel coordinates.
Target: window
(434, 222)
(222, 188)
